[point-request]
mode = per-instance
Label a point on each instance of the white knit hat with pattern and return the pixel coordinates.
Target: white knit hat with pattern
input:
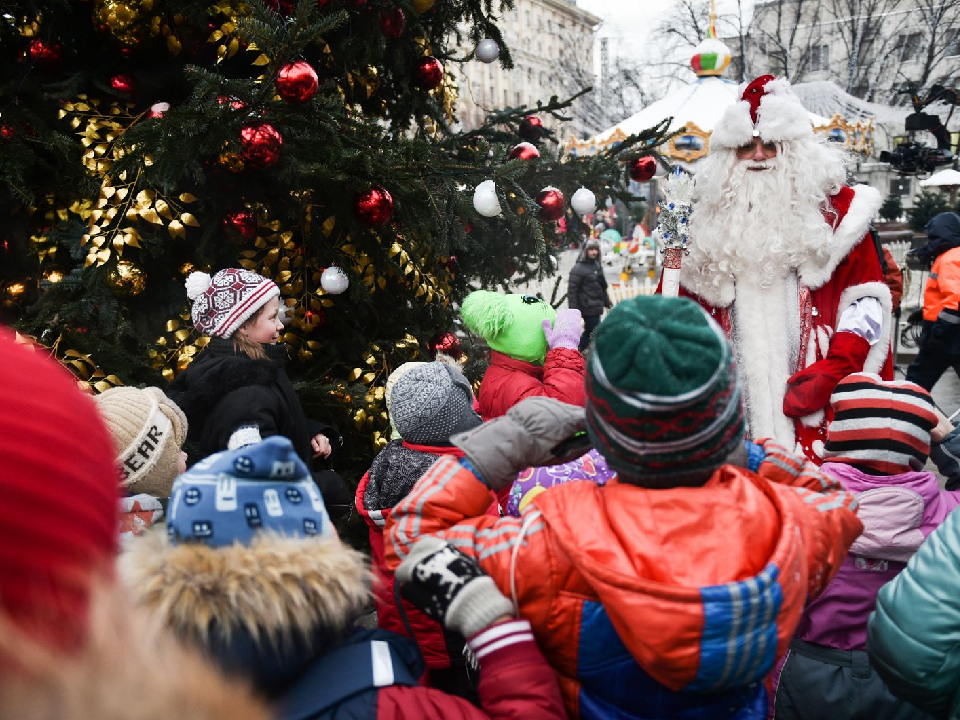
(224, 302)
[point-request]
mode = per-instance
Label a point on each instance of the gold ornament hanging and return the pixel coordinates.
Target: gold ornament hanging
(15, 292)
(123, 20)
(421, 6)
(54, 275)
(127, 279)
(231, 161)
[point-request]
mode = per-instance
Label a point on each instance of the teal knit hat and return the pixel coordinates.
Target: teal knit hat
(663, 404)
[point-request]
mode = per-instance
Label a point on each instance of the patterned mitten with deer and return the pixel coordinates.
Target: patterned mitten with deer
(451, 588)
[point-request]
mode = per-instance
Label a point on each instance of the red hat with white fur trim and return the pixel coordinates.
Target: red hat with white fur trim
(223, 303)
(767, 109)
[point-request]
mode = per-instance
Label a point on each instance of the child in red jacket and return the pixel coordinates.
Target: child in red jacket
(534, 350)
(428, 402)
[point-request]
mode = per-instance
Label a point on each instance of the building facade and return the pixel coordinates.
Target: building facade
(552, 45)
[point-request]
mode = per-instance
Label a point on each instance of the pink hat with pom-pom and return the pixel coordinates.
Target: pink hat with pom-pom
(222, 304)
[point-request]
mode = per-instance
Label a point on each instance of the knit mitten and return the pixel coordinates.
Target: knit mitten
(528, 435)
(451, 588)
(809, 390)
(566, 330)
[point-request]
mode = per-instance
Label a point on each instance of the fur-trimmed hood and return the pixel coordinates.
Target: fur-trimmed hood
(266, 609)
(129, 668)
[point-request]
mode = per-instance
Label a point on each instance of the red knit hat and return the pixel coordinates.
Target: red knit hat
(58, 494)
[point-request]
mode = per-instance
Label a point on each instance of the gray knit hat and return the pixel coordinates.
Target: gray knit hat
(431, 402)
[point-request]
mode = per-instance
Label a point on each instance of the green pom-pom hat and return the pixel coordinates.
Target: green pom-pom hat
(663, 403)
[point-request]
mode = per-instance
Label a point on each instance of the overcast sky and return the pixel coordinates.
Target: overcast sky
(632, 20)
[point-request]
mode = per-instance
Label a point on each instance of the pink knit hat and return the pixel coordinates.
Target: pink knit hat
(223, 303)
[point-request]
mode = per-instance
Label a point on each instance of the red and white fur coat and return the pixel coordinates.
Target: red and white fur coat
(759, 324)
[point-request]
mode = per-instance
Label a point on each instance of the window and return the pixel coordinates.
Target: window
(900, 186)
(909, 46)
(492, 94)
(526, 18)
(819, 58)
(530, 75)
(506, 102)
(517, 98)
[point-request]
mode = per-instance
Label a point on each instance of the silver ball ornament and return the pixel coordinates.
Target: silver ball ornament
(583, 202)
(488, 50)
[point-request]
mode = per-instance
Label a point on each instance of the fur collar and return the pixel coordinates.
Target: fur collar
(129, 668)
(272, 590)
(856, 207)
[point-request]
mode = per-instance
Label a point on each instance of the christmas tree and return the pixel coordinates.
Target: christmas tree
(313, 142)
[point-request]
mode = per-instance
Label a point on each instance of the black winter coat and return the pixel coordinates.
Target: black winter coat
(222, 391)
(587, 291)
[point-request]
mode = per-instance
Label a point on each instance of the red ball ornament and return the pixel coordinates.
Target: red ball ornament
(446, 343)
(260, 145)
(297, 82)
(322, 3)
(157, 110)
(6, 132)
(122, 83)
(525, 151)
(392, 22)
(643, 169)
(241, 227)
(551, 204)
(374, 207)
(44, 54)
(284, 7)
(452, 264)
(531, 128)
(234, 103)
(428, 72)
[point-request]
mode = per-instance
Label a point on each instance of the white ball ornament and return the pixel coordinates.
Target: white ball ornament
(485, 199)
(583, 202)
(334, 280)
(488, 50)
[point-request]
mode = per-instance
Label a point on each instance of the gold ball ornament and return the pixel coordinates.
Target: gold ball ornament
(231, 161)
(127, 279)
(122, 19)
(187, 268)
(54, 275)
(421, 6)
(14, 292)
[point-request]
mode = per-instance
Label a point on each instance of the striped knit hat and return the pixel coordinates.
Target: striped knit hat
(880, 427)
(663, 404)
(224, 302)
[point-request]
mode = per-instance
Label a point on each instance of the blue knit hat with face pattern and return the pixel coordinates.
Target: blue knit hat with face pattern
(231, 496)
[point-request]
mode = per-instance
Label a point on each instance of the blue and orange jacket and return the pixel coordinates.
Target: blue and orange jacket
(651, 603)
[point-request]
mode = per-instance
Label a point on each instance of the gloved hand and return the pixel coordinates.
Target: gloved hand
(451, 588)
(566, 330)
(524, 437)
(809, 390)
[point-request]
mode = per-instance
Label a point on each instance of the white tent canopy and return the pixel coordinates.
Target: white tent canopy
(702, 102)
(944, 178)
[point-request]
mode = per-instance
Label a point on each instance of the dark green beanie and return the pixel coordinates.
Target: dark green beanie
(663, 404)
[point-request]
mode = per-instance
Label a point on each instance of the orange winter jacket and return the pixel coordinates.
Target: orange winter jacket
(943, 285)
(651, 603)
